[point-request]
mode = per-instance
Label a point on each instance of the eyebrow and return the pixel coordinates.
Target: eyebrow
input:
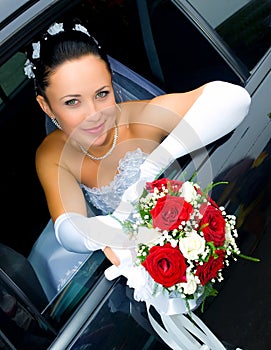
(78, 95)
(69, 96)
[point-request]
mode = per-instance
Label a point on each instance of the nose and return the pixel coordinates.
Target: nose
(91, 107)
(92, 112)
(93, 116)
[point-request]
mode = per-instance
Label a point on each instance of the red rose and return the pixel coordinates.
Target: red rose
(214, 230)
(150, 186)
(174, 185)
(170, 211)
(166, 265)
(209, 270)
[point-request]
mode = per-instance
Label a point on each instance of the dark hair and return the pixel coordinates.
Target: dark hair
(59, 48)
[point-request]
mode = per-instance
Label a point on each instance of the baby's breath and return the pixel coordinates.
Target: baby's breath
(190, 234)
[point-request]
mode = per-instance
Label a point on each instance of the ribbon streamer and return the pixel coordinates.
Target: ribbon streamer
(183, 333)
(183, 329)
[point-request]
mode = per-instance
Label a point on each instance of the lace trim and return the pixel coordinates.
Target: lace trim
(107, 198)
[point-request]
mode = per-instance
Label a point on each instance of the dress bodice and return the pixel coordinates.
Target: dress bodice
(108, 197)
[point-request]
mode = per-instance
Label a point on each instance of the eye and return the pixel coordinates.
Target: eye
(71, 102)
(102, 94)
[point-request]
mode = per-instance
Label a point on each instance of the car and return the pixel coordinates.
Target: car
(154, 46)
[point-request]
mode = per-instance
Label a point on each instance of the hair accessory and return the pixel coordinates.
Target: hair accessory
(28, 69)
(53, 30)
(36, 50)
(81, 28)
(84, 30)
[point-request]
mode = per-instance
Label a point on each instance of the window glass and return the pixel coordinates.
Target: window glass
(12, 73)
(75, 289)
(244, 25)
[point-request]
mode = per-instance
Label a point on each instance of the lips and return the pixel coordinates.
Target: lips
(95, 131)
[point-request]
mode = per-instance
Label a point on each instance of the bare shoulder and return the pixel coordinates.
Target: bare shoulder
(51, 145)
(50, 152)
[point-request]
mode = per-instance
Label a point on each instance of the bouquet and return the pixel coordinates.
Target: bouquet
(196, 241)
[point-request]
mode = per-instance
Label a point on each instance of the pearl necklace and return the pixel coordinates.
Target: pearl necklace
(107, 153)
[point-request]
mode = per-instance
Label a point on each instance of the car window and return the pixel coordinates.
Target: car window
(244, 25)
(180, 56)
(12, 74)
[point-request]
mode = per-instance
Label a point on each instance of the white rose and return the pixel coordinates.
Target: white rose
(192, 246)
(190, 286)
(188, 192)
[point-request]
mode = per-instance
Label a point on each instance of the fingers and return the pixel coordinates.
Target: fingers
(111, 256)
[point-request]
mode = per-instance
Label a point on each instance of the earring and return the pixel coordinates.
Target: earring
(56, 123)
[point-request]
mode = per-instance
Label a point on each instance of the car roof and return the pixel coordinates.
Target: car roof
(16, 14)
(7, 7)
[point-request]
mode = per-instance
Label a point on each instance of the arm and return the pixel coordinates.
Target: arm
(219, 109)
(65, 200)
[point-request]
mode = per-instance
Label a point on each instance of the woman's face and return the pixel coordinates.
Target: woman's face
(82, 99)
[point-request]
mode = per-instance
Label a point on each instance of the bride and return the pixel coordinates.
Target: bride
(96, 162)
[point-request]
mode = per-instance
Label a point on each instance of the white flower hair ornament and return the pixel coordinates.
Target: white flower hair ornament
(28, 69)
(54, 29)
(84, 30)
(81, 28)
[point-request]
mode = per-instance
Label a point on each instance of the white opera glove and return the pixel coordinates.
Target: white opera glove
(71, 237)
(218, 110)
(81, 234)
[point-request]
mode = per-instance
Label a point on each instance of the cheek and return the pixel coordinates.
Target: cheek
(110, 111)
(71, 120)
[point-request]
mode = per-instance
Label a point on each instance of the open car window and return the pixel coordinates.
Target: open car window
(244, 25)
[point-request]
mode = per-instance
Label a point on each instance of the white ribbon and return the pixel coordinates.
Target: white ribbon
(183, 333)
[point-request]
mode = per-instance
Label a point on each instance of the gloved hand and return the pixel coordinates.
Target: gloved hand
(219, 109)
(81, 234)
